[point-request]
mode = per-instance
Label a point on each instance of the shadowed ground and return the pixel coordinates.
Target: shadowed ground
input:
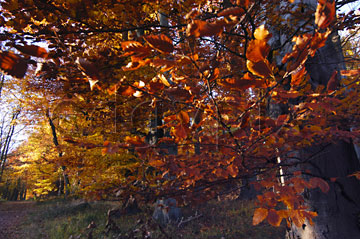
(13, 214)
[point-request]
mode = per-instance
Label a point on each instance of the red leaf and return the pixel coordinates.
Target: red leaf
(33, 50)
(321, 183)
(160, 42)
(13, 64)
(259, 215)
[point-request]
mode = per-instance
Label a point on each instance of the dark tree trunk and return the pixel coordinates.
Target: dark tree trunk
(339, 209)
(63, 183)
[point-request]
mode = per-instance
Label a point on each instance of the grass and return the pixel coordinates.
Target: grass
(224, 219)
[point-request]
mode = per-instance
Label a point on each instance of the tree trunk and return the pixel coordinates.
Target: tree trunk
(339, 209)
(63, 168)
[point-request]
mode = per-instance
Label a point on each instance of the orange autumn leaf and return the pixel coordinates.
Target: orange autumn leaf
(160, 42)
(156, 163)
(257, 50)
(309, 215)
(259, 215)
(233, 170)
(33, 50)
(13, 64)
(180, 131)
(243, 3)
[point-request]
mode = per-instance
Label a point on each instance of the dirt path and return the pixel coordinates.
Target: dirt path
(13, 214)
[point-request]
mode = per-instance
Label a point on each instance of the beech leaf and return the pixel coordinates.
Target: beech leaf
(321, 183)
(160, 42)
(32, 50)
(13, 64)
(273, 218)
(259, 215)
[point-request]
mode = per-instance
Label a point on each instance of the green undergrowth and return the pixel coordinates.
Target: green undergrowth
(219, 219)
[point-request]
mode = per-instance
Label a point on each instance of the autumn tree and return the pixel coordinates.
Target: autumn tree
(234, 83)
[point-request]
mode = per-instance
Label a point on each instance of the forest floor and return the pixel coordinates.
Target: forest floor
(12, 216)
(64, 219)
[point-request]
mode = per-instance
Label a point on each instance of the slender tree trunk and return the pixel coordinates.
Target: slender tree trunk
(6, 145)
(56, 143)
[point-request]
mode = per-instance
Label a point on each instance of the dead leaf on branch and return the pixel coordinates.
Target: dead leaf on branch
(13, 64)
(183, 117)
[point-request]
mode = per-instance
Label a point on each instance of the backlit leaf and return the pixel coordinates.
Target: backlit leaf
(262, 34)
(257, 50)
